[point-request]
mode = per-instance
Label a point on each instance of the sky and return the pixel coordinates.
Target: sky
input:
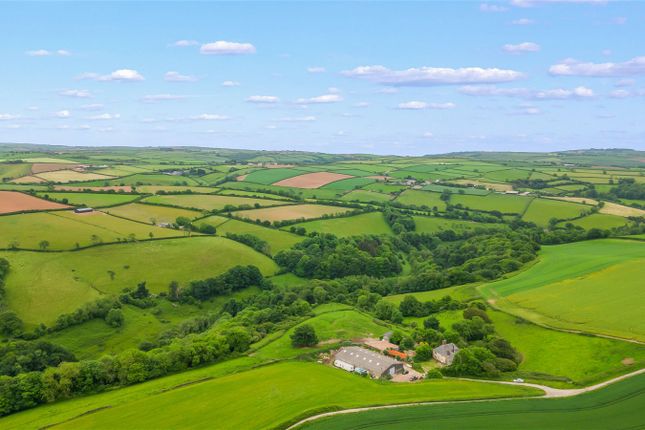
(406, 78)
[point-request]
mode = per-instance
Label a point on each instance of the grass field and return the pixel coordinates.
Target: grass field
(381, 187)
(421, 198)
(588, 286)
(369, 223)
(455, 190)
(10, 171)
(153, 189)
(94, 200)
(269, 176)
(209, 202)
(44, 285)
(613, 407)
(278, 240)
(290, 212)
(302, 192)
(602, 221)
(366, 196)
(309, 387)
(425, 224)
(65, 229)
(151, 214)
(70, 176)
(493, 202)
(540, 211)
(348, 184)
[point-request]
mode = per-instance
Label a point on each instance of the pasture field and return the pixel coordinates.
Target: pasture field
(620, 210)
(493, 202)
(489, 185)
(421, 198)
(14, 170)
(209, 202)
(22, 187)
(93, 200)
(312, 180)
(278, 240)
(366, 197)
(154, 189)
(506, 175)
(70, 176)
(13, 201)
(599, 220)
(615, 406)
(44, 285)
(368, 223)
(385, 188)
(151, 214)
(426, 224)
(353, 172)
(278, 399)
(28, 180)
(540, 211)
(251, 194)
(301, 192)
(348, 184)
(568, 288)
(425, 176)
(269, 176)
(290, 212)
(456, 190)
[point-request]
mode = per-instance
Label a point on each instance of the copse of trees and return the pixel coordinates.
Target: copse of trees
(20, 356)
(234, 279)
(304, 335)
(398, 221)
(252, 241)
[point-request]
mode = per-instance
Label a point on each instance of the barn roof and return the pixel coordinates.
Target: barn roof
(373, 362)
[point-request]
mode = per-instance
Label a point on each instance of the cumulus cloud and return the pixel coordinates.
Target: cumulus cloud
(418, 105)
(104, 117)
(62, 114)
(622, 93)
(528, 110)
(522, 21)
(123, 75)
(316, 69)
(185, 42)
(263, 99)
(178, 77)
(230, 84)
(298, 119)
(154, 98)
(325, 98)
(429, 76)
(561, 93)
(47, 53)
(521, 47)
(489, 7)
(210, 117)
(222, 47)
(571, 67)
(81, 94)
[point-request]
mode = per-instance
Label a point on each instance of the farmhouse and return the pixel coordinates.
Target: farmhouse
(83, 210)
(445, 353)
(356, 359)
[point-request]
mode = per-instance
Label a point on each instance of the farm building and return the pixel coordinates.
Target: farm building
(83, 210)
(379, 345)
(357, 359)
(445, 353)
(397, 354)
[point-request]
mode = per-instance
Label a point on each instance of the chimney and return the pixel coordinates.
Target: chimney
(443, 342)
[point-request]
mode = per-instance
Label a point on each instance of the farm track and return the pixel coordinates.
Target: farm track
(550, 393)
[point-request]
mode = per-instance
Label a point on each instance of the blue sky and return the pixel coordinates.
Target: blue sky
(390, 78)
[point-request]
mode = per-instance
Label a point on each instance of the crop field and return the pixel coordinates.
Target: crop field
(12, 201)
(425, 224)
(616, 406)
(151, 214)
(385, 188)
(368, 223)
(269, 176)
(28, 180)
(421, 198)
(70, 176)
(312, 180)
(599, 220)
(37, 168)
(256, 194)
(569, 288)
(302, 192)
(620, 210)
(489, 185)
(278, 240)
(540, 211)
(367, 197)
(470, 190)
(209, 202)
(348, 184)
(290, 212)
(93, 200)
(10, 171)
(44, 285)
(493, 202)
(154, 189)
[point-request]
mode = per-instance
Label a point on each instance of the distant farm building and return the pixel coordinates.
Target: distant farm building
(83, 210)
(361, 360)
(397, 354)
(379, 345)
(445, 353)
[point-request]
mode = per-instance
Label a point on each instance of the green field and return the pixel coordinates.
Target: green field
(421, 198)
(301, 192)
(154, 189)
(10, 171)
(366, 196)
(615, 407)
(369, 223)
(348, 184)
(65, 230)
(587, 286)
(209, 202)
(269, 176)
(43, 285)
(492, 202)
(455, 190)
(152, 214)
(93, 200)
(540, 211)
(597, 220)
(278, 240)
(381, 187)
(426, 224)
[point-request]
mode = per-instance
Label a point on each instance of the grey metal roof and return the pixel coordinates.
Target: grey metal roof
(373, 362)
(446, 349)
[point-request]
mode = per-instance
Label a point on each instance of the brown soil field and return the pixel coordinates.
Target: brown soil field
(124, 188)
(312, 180)
(28, 180)
(50, 167)
(290, 212)
(12, 201)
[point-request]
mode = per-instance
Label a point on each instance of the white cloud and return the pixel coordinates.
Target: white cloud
(560, 93)
(418, 105)
(8, 117)
(619, 20)
(522, 21)
(81, 94)
(427, 135)
(222, 47)
(210, 117)
(46, 53)
(521, 47)
(178, 77)
(104, 117)
(316, 69)
(123, 75)
(299, 119)
(531, 3)
(361, 104)
(579, 92)
(527, 110)
(62, 114)
(333, 90)
(153, 98)
(230, 84)
(491, 90)
(92, 106)
(428, 76)
(570, 67)
(184, 42)
(619, 94)
(263, 99)
(489, 7)
(325, 98)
